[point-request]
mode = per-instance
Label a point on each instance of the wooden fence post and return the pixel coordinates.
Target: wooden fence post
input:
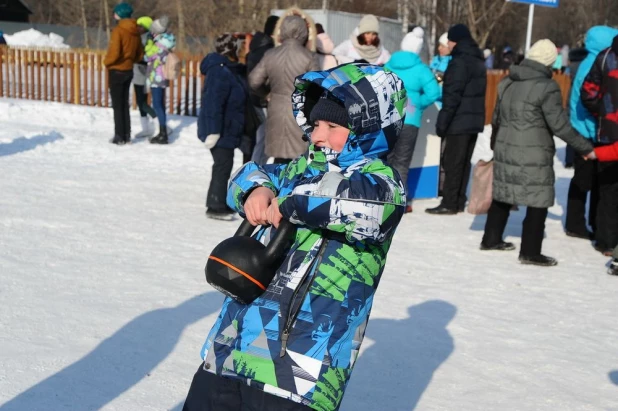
(76, 79)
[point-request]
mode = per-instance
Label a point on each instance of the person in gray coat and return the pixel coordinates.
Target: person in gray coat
(274, 76)
(528, 114)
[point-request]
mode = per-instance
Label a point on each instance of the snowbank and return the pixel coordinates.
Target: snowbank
(34, 38)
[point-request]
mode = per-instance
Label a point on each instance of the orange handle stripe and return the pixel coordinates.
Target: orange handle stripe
(239, 271)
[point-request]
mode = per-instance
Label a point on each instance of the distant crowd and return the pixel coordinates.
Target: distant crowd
(247, 105)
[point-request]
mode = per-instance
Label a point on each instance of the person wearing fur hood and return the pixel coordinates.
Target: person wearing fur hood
(364, 44)
(312, 32)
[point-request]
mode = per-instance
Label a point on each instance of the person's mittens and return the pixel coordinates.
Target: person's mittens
(211, 140)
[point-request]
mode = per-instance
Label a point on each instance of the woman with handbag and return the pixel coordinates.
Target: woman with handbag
(528, 114)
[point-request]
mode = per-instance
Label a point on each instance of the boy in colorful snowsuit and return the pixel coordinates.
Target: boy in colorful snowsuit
(295, 346)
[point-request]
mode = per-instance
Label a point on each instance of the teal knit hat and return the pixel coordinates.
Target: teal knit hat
(123, 10)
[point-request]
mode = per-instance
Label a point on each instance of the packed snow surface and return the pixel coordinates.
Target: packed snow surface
(104, 304)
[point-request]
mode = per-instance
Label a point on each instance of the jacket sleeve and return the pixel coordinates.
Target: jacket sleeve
(430, 89)
(590, 92)
(113, 51)
(607, 153)
(343, 49)
(558, 120)
(364, 205)
(249, 177)
(214, 98)
(453, 88)
(258, 78)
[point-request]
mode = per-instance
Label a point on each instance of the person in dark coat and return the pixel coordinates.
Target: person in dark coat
(221, 119)
(528, 114)
(260, 44)
(599, 94)
(576, 56)
(462, 116)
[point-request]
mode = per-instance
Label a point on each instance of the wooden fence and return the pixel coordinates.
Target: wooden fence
(79, 77)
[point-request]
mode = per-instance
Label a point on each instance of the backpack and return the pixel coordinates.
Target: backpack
(171, 69)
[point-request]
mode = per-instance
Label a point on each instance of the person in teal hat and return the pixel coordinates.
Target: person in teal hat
(124, 50)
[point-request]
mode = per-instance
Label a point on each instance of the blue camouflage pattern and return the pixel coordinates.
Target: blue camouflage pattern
(346, 207)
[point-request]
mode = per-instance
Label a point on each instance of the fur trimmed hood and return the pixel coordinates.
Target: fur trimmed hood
(295, 11)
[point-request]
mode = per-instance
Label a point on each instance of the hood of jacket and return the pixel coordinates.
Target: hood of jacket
(293, 29)
(528, 70)
(324, 44)
(599, 38)
(215, 59)
(402, 60)
(374, 98)
(469, 47)
(130, 26)
(165, 40)
(260, 40)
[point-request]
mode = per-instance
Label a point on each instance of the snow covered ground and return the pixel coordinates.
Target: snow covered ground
(104, 304)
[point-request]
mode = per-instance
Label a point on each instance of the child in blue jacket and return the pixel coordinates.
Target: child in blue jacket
(295, 346)
(422, 89)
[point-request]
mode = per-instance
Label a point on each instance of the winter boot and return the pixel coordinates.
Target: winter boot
(147, 128)
(118, 140)
(613, 267)
(160, 138)
(225, 215)
(540, 260)
(501, 246)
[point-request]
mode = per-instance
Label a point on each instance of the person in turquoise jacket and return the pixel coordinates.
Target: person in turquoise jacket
(423, 90)
(584, 179)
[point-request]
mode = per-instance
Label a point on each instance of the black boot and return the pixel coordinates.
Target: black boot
(501, 246)
(613, 267)
(117, 140)
(160, 138)
(541, 260)
(127, 139)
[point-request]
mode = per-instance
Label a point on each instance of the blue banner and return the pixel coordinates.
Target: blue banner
(546, 3)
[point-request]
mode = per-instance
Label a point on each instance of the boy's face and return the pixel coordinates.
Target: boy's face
(330, 135)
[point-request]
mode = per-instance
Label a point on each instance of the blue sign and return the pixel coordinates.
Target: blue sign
(546, 3)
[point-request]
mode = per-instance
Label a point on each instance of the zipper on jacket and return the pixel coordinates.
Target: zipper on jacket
(291, 317)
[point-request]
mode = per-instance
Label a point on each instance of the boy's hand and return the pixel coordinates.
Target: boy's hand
(273, 215)
(257, 205)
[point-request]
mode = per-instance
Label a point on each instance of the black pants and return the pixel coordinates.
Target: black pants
(457, 156)
(401, 155)
(280, 160)
(533, 227)
(141, 98)
(210, 392)
(119, 87)
(221, 171)
(607, 212)
(584, 180)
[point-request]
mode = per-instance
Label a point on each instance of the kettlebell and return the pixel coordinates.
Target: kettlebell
(241, 267)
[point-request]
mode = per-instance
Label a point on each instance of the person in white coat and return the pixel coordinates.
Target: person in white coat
(364, 44)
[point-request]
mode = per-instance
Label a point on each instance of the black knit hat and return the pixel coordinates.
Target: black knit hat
(327, 109)
(459, 32)
(269, 26)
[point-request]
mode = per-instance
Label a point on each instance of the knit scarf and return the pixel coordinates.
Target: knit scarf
(367, 52)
